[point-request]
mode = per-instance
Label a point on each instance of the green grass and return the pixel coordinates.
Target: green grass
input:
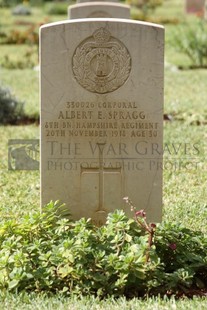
(8, 21)
(184, 194)
(30, 302)
(25, 85)
(185, 93)
(171, 9)
(185, 175)
(20, 190)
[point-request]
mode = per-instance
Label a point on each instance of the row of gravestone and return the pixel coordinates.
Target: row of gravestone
(102, 115)
(96, 9)
(93, 9)
(102, 8)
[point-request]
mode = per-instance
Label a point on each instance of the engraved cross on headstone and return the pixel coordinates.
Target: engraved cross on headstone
(101, 170)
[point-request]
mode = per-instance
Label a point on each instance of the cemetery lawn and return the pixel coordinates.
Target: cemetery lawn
(38, 302)
(185, 170)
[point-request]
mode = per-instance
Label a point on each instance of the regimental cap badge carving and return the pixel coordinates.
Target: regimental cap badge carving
(101, 35)
(101, 63)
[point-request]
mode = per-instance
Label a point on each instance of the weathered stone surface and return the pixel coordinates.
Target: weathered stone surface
(98, 9)
(102, 115)
(205, 10)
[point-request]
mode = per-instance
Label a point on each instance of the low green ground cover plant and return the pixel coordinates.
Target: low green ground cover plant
(146, 6)
(22, 10)
(45, 253)
(191, 40)
(56, 8)
(11, 109)
(28, 36)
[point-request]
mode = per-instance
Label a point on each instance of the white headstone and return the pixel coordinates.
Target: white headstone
(205, 10)
(102, 116)
(98, 9)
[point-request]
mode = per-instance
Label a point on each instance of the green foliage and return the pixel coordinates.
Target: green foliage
(21, 9)
(146, 6)
(11, 109)
(44, 252)
(56, 8)
(185, 257)
(29, 60)
(29, 36)
(8, 3)
(191, 40)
